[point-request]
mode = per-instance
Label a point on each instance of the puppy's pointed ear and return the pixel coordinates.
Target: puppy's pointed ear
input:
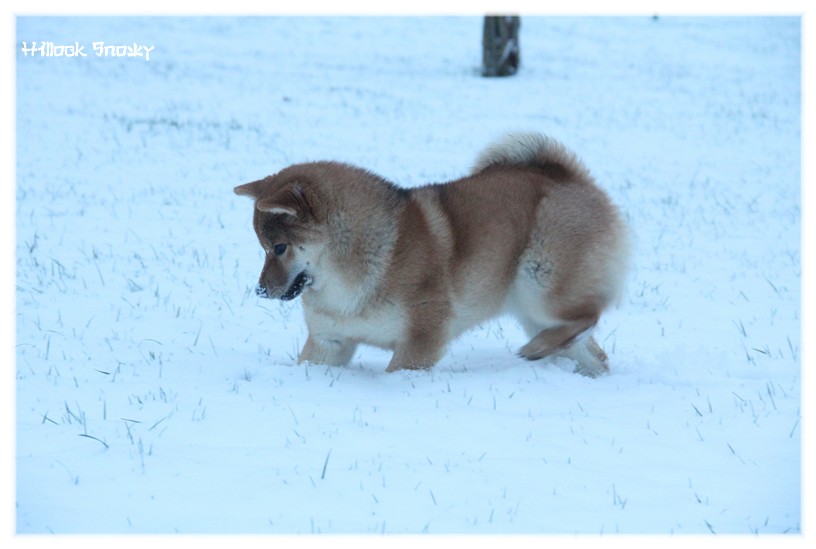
(291, 200)
(273, 206)
(252, 190)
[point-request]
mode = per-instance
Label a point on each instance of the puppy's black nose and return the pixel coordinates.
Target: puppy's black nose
(260, 291)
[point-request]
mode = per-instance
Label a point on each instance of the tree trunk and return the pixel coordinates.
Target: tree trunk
(500, 46)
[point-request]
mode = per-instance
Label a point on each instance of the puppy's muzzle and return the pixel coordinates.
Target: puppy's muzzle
(302, 281)
(260, 291)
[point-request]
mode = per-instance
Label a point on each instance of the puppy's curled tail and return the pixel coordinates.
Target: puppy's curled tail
(532, 150)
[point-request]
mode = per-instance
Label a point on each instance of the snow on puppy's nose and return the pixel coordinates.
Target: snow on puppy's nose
(260, 291)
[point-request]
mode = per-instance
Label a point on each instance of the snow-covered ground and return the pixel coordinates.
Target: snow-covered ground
(157, 394)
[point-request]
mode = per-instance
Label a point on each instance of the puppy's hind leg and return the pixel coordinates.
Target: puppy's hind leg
(555, 339)
(571, 340)
(591, 360)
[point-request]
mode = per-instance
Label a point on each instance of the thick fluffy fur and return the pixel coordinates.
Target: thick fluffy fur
(527, 232)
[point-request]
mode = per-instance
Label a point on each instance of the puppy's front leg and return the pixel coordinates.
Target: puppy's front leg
(331, 352)
(420, 351)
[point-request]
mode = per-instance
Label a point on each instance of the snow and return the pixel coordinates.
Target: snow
(155, 393)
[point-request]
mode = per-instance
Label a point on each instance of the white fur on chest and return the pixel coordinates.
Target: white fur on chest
(382, 326)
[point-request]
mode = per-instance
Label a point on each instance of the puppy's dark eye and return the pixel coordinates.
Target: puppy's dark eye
(279, 249)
